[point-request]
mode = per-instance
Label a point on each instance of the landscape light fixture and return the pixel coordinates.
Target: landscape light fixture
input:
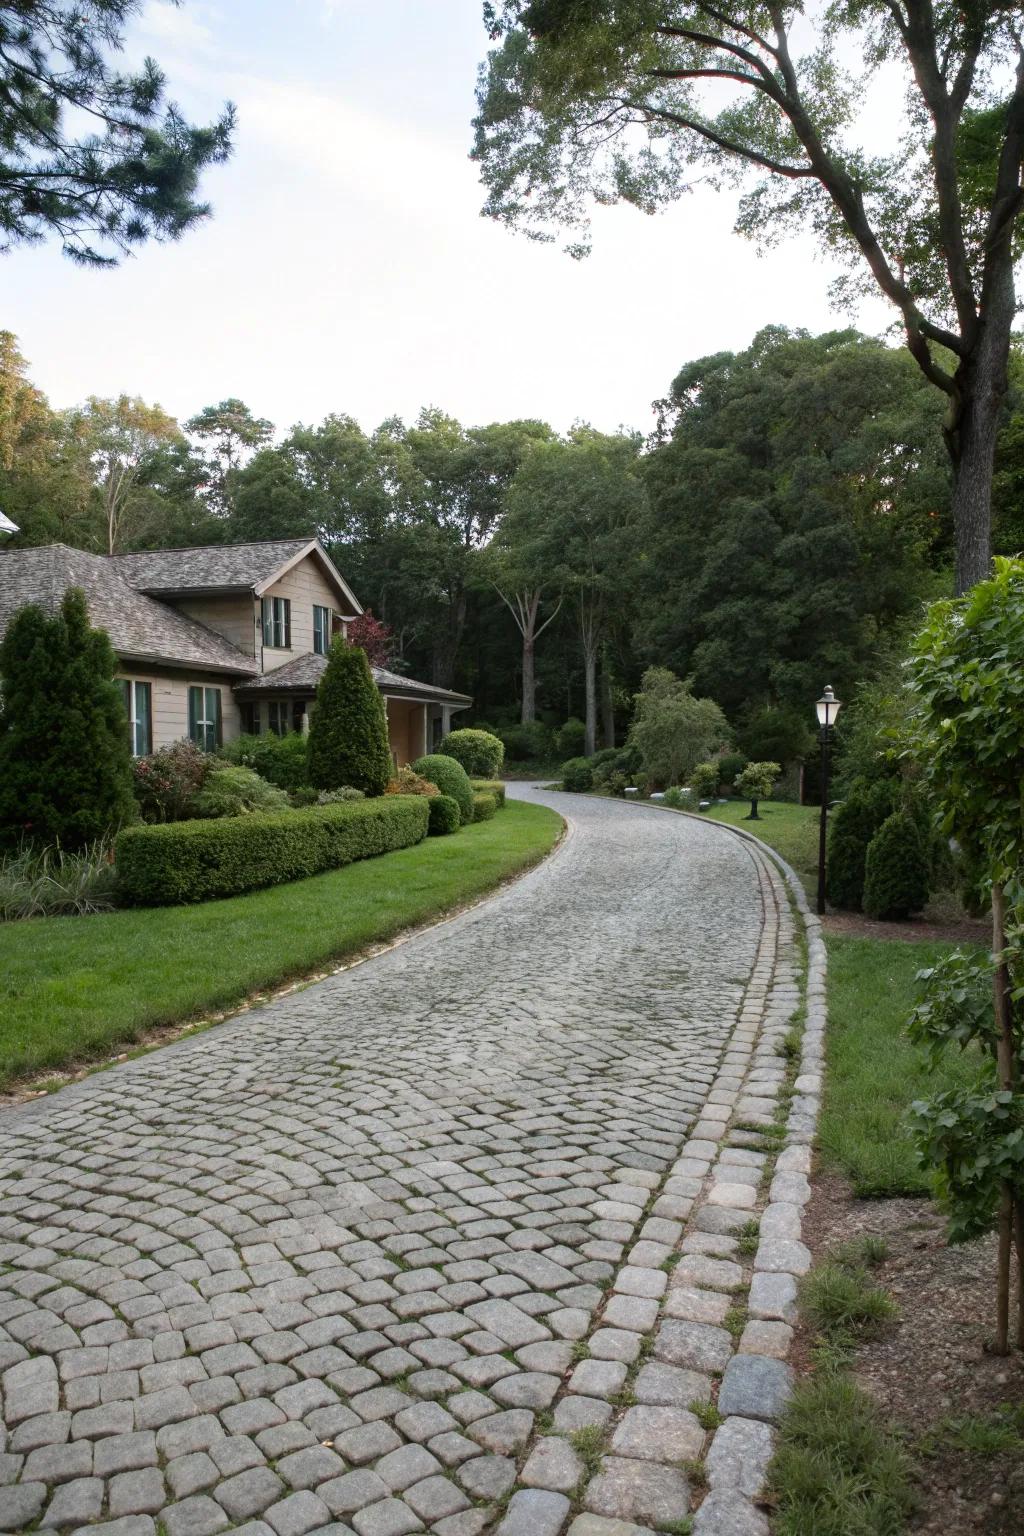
(827, 707)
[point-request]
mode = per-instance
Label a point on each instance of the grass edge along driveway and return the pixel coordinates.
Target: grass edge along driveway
(75, 988)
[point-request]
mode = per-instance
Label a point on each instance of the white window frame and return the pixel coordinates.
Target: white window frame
(138, 719)
(276, 613)
(323, 629)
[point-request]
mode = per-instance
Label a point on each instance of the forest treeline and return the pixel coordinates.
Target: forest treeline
(780, 528)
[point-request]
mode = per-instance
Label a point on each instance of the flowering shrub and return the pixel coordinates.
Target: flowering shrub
(166, 782)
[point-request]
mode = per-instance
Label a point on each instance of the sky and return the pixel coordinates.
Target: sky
(347, 268)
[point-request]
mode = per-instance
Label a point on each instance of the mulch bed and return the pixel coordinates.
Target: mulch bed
(930, 1365)
(855, 926)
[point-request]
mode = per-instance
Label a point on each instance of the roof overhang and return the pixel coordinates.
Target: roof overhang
(151, 658)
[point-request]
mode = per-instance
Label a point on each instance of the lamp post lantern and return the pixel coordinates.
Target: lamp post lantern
(828, 707)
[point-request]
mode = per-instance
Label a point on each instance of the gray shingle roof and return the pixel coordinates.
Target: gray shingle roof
(139, 627)
(208, 568)
(304, 672)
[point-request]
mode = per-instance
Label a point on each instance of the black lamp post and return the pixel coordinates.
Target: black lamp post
(828, 707)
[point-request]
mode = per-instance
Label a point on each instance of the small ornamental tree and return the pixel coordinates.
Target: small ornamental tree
(374, 637)
(672, 731)
(65, 759)
(968, 681)
(755, 783)
(348, 729)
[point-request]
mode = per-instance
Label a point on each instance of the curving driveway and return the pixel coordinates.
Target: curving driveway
(329, 1264)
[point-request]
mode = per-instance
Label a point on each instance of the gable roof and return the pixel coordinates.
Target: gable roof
(139, 627)
(208, 568)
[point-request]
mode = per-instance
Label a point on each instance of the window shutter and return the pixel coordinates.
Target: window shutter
(219, 727)
(194, 708)
(144, 718)
(286, 604)
(267, 612)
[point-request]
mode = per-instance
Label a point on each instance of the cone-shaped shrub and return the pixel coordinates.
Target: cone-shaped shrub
(65, 759)
(896, 869)
(853, 825)
(348, 729)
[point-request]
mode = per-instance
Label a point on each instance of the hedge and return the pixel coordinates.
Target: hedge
(484, 806)
(445, 816)
(188, 861)
(495, 787)
(478, 751)
(451, 779)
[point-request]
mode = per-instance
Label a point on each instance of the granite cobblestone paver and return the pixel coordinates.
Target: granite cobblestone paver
(366, 1258)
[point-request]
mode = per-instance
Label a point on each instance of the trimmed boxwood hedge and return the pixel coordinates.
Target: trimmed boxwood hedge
(451, 779)
(445, 815)
(484, 806)
(188, 861)
(495, 787)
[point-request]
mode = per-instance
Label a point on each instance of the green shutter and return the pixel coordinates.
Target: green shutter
(287, 624)
(195, 705)
(144, 720)
(267, 618)
(218, 730)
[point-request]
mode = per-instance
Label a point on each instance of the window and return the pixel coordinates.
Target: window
(138, 706)
(279, 716)
(204, 718)
(322, 629)
(250, 719)
(277, 623)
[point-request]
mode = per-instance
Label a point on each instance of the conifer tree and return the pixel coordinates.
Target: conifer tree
(65, 760)
(348, 730)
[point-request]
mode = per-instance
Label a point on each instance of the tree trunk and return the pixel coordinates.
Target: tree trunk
(590, 670)
(607, 707)
(753, 812)
(529, 711)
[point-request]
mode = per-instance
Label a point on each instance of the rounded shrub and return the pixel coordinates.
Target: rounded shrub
(281, 760)
(495, 787)
(348, 730)
(611, 762)
(704, 780)
(451, 779)
(730, 766)
(231, 791)
(480, 753)
(445, 816)
(571, 738)
(577, 775)
(484, 805)
(896, 869)
(853, 824)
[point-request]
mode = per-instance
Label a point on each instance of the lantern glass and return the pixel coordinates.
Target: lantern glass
(828, 707)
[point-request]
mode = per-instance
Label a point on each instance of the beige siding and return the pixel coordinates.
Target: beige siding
(234, 617)
(170, 703)
(406, 726)
(304, 585)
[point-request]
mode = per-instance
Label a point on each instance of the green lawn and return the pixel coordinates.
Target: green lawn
(74, 988)
(790, 829)
(874, 1072)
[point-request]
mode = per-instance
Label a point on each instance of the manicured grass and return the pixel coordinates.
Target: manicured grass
(73, 988)
(792, 830)
(874, 1072)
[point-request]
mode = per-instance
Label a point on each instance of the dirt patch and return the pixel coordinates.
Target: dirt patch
(856, 926)
(930, 1366)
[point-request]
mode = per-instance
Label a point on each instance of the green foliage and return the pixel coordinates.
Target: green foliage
(191, 861)
(840, 1301)
(896, 869)
(776, 735)
(484, 806)
(339, 796)
(451, 779)
(531, 741)
(230, 790)
(348, 732)
(281, 760)
(65, 763)
(445, 816)
(131, 171)
(53, 883)
(479, 752)
(672, 731)
(730, 766)
(495, 787)
(167, 782)
(974, 1138)
(570, 738)
(577, 775)
(955, 1005)
(704, 779)
(852, 825)
(678, 799)
(613, 763)
(757, 781)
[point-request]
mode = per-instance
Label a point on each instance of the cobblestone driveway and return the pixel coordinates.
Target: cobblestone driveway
(357, 1261)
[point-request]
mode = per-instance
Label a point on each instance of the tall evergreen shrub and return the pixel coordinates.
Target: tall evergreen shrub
(65, 759)
(348, 729)
(896, 869)
(853, 825)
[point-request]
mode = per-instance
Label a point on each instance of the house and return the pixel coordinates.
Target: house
(221, 639)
